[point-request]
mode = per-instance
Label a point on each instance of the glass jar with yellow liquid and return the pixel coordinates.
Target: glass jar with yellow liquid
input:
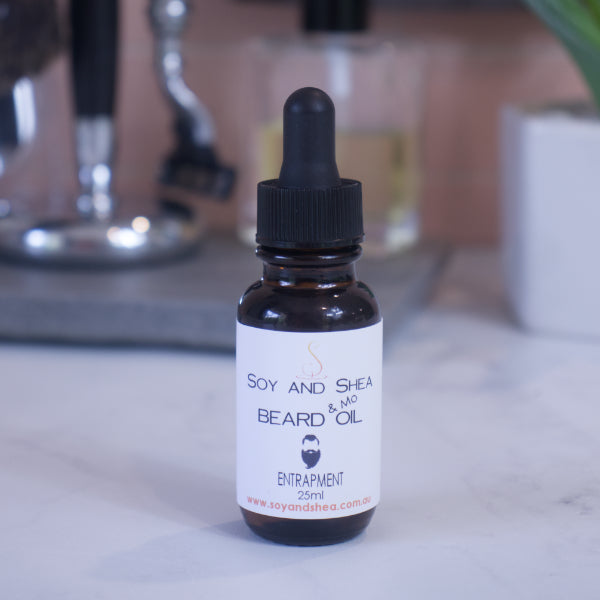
(376, 88)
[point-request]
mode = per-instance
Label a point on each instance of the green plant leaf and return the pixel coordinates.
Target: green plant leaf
(576, 23)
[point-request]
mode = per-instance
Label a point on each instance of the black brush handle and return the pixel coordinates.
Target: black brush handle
(94, 32)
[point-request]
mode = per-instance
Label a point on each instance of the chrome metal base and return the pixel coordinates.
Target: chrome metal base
(116, 243)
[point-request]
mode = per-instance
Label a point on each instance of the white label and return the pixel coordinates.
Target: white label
(308, 421)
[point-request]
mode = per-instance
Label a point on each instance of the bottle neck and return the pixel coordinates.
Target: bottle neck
(320, 269)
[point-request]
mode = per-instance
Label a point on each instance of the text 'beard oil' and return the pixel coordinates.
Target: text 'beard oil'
(308, 349)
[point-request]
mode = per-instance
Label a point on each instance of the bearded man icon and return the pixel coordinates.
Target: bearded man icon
(310, 450)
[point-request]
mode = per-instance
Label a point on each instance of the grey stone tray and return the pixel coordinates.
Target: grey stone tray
(189, 303)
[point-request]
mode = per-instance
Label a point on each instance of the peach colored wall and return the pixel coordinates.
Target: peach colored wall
(476, 62)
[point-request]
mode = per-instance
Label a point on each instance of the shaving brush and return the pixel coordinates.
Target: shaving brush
(29, 39)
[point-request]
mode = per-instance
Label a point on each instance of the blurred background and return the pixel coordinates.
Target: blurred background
(479, 57)
(419, 99)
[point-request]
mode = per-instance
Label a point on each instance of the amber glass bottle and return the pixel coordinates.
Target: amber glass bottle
(309, 349)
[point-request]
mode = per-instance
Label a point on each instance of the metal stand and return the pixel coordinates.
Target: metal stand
(101, 236)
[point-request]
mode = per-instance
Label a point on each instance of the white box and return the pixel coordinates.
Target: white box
(550, 179)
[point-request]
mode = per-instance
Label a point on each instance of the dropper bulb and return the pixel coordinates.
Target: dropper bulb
(309, 141)
(309, 206)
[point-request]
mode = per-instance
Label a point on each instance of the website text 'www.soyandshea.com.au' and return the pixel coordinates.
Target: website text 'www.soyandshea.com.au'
(309, 506)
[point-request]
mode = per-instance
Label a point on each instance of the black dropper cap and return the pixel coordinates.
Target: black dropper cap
(309, 206)
(334, 15)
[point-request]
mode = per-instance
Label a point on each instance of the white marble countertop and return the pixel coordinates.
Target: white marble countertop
(117, 470)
